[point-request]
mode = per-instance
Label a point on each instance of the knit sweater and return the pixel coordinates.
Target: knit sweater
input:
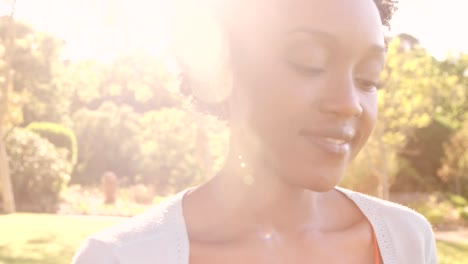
(160, 236)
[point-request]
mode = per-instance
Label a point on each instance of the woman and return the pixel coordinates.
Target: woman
(303, 103)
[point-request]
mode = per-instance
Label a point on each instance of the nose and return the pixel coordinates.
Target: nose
(341, 98)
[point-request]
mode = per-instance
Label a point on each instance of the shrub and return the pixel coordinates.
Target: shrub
(435, 216)
(107, 139)
(464, 213)
(441, 213)
(458, 200)
(173, 150)
(142, 194)
(59, 136)
(39, 171)
(455, 161)
(420, 159)
(360, 177)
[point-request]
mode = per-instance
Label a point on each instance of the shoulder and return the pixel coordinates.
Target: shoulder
(407, 228)
(145, 237)
(393, 213)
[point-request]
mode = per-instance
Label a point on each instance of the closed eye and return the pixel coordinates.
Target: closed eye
(306, 70)
(367, 85)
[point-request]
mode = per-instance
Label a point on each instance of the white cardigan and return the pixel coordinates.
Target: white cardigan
(159, 236)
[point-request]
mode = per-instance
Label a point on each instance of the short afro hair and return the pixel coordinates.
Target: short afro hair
(386, 9)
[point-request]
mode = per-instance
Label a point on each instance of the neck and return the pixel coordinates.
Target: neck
(249, 188)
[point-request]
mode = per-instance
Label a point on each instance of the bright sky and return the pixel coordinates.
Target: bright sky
(103, 28)
(441, 25)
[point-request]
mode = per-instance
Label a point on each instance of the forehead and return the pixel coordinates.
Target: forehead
(349, 21)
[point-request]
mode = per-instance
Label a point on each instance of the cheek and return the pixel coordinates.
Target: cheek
(274, 103)
(278, 103)
(271, 105)
(270, 94)
(367, 120)
(370, 111)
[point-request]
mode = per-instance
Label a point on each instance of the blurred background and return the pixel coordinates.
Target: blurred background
(94, 128)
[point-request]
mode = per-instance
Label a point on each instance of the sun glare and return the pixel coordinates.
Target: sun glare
(439, 25)
(101, 29)
(105, 29)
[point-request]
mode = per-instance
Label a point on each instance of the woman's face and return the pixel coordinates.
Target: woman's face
(305, 90)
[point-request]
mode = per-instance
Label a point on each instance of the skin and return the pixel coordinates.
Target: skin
(303, 70)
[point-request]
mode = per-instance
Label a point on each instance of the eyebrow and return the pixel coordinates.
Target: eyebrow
(374, 49)
(316, 33)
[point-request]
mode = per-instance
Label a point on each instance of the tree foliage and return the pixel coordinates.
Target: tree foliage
(412, 85)
(37, 94)
(422, 157)
(139, 80)
(107, 141)
(454, 168)
(6, 95)
(39, 172)
(60, 136)
(129, 117)
(168, 148)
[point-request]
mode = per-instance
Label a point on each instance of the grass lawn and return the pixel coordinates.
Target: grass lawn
(452, 253)
(52, 239)
(47, 239)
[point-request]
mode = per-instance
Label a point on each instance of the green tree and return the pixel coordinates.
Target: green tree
(451, 100)
(454, 168)
(29, 90)
(6, 96)
(36, 68)
(169, 149)
(107, 142)
(61, 137)
(424, 147)
(421, 156)
(138, 80)
(411, 81)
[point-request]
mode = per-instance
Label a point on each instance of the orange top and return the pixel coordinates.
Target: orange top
(376, 249)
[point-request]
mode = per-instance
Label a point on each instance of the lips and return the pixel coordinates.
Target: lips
(335, 141)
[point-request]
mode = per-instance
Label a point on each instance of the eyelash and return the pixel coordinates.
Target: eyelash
(306, 70)
(367, 85)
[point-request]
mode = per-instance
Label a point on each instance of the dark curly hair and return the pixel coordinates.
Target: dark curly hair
(386, 9)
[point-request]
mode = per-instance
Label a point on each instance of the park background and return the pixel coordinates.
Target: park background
(95, 126)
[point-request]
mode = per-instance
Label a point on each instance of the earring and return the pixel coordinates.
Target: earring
(247, 177)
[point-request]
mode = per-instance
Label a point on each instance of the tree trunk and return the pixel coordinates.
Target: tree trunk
(5, 177)
(7, 190)
(373, 169)
(384, 174)
(384, 184)
(457, 185)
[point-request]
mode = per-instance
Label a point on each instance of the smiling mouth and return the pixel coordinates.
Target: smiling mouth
(335, 141)
(328, 144)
